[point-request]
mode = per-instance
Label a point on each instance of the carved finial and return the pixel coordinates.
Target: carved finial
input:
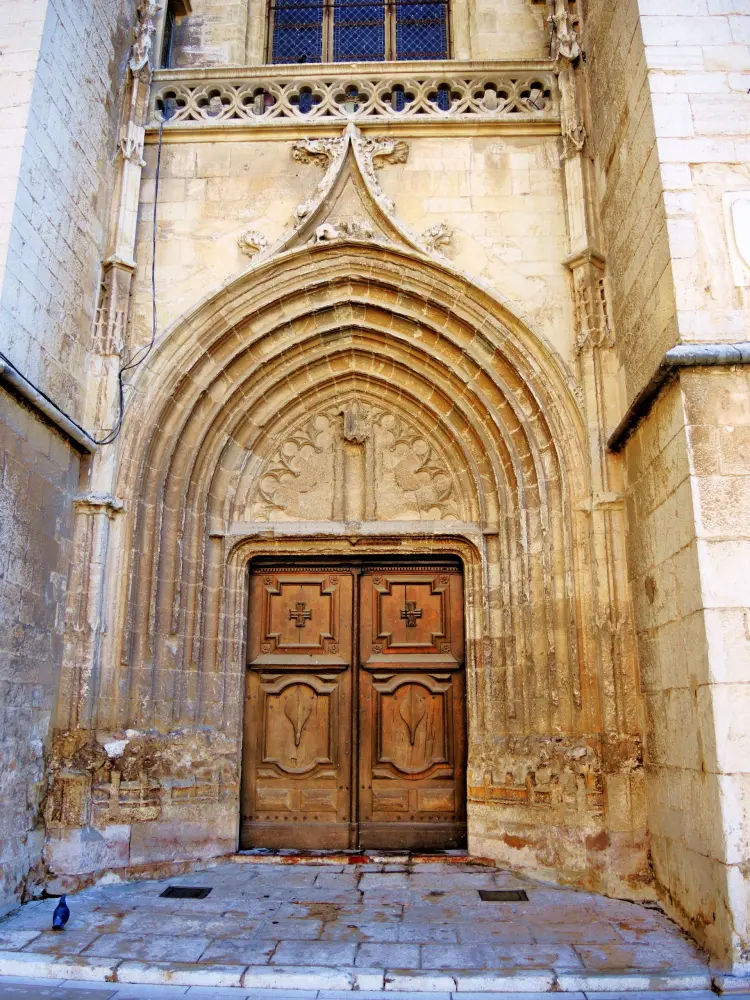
(438, 236)
(574, 137)
(252, 242)
(143, 33)
(564, 42)
(131, 141)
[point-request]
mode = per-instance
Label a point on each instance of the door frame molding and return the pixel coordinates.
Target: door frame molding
(232, 554)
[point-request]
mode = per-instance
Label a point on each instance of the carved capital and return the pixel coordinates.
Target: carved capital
(99, 503)
(356, 422)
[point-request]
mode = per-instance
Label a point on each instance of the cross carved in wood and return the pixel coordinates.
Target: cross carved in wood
(302, 615)
(411, 612)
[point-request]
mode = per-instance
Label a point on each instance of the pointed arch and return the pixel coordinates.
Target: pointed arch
(314, 327)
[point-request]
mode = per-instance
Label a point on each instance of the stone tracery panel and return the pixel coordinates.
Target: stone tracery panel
(483, 93)
(403, 474)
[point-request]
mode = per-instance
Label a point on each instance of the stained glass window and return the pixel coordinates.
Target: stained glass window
(421, 31)
(297, 31)
(359, 32)
(313, 31)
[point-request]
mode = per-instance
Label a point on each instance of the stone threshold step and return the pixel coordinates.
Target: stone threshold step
(355, 858)
(81, 969)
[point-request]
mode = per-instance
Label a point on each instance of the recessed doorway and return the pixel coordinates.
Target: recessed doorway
(355, 718)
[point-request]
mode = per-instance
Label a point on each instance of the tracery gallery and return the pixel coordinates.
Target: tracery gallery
(398, 496)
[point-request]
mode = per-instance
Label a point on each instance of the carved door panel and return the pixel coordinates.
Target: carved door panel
(297, 768)
(412, 714)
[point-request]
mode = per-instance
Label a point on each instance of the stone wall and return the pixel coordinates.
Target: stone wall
(59, 221)
(469, 346)
(62, 66)
(38, 477)
(688, 483)
(669, 136)
(20, 37)
(698, 59)
(221, 33)
(630, 203)
(502, 197)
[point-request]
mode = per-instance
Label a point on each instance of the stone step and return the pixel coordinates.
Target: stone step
(81, 968)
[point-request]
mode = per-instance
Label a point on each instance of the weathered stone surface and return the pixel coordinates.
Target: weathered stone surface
(327, 381)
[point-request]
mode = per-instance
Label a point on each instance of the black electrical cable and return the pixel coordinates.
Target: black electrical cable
(135, 361)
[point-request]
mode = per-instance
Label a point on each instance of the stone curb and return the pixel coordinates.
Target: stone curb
(628, 982)
(266, 977)
(725, 983)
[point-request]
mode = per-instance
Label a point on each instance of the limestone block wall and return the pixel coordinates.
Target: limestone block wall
(698, 59)
(475, 341)
(630, 201)
(38, 477)
(60, 214)
(502, 196)
(669, 134)
(688, 481)
(221, 33)
(62, 67)
(21, 26)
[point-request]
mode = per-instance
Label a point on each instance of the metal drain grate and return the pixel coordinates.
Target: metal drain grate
(186, 892)
(503, 896)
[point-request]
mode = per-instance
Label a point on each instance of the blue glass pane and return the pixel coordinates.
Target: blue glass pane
(421, 30)
(297, 31)
(359, 32)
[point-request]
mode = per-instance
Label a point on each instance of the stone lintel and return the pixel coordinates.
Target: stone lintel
(361, 531)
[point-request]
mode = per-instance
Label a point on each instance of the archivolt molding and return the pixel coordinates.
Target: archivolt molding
(355, 335)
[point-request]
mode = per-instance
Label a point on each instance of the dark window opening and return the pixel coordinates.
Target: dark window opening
(167, 44)
(174, 9)
(313, 31)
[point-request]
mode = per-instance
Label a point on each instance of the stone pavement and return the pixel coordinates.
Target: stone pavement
(38, 989)
(391, 924)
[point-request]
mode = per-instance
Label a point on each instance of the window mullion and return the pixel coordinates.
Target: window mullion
(328, 16)
(390, 30)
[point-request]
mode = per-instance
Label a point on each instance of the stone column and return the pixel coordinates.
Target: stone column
(93, 561)
(611, 623)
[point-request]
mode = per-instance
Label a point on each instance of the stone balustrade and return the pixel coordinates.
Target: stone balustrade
(477, 93)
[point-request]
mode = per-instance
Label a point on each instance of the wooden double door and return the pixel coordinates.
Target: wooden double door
(355, 732)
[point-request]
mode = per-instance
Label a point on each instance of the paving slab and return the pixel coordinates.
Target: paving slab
(47, 992)
(393, 924)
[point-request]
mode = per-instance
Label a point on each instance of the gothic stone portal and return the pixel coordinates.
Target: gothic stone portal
(362, 751)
